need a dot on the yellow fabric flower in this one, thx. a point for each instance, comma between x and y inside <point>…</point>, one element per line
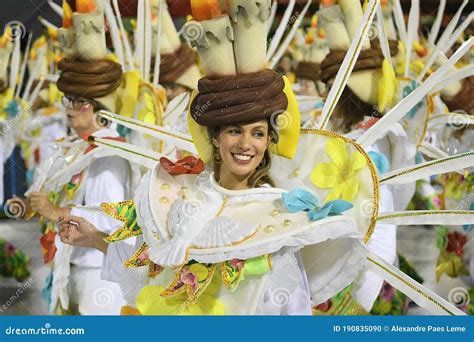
<point>340,175</point>
<point>150,302</point>
<point>387,85</point>
<point>199,270</point>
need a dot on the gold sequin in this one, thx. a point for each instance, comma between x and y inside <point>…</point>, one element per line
<point>165,186</point>
<point>183,192</point>
<point>405,125</point>
<point>269,229</point>
<point>286,223</point>
<point>164,200</point>
<point>275,212</point>
<point>295,173</point>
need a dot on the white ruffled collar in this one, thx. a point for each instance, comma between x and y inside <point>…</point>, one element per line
<point>211,181</point>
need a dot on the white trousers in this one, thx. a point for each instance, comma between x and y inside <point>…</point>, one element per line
<point>91,295</point>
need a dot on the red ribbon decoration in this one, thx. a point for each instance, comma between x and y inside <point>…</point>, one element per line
<point>187,165</point>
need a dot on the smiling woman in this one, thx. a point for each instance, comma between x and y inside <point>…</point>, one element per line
<point>241,156</point>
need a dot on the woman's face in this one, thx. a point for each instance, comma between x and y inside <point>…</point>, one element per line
<point>242,147</point>
<point>308,88</point>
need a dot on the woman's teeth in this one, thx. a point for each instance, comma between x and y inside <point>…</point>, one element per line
<point>242,157</point>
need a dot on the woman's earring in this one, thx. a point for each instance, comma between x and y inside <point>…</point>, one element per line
<point>217,156</point>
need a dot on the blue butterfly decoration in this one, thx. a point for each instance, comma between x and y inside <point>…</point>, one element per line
<point>380,161</point>
<point>301,200</point>
<point>468,227</point>
<point>12,109</point>
<point>407,90</point>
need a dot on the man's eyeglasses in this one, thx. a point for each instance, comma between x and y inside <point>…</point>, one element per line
<point>76,103</point>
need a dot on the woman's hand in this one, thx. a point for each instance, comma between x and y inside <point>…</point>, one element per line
<point>77,231</point>
<point>40,204</point>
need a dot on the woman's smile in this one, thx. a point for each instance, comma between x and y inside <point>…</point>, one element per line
<point>242,159</point>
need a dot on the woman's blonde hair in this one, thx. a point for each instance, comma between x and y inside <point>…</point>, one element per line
<point>261,176</point>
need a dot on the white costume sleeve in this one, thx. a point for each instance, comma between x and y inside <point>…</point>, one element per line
<point>106,181</point>
<point>131,280</point>
<point>286,289</point>
<point>300,301</point>
<point>117,253</point>
<point>382,243</point>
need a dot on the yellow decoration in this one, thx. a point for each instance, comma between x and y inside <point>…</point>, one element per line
<point>54,95</point>
<point>200,137</point>
<point>340,175</point>
<point>7,33</point>
<point>451,264</point>
<point>199,270</point>
<point>129,311</point>
<point>67,15</point>
<point>128,93</point>
<point>146,114</point>
<point>41,41</point>
<point>150,302</point>
<point>288,135</point>
<point>5,99</point>
<point>420,49</point>
<point>400,59</point>
<point>112,57</point>
<point>387,85</point>
<point>417,66</point>
<point>314,21</point>
<point>52,32</point>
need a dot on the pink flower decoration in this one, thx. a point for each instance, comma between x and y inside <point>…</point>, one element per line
<point>237,263</point>
<point>143,256</point>
<point>9,249</point>
<point>387,293</point>
<point>456,242</point>
<point>188,278</point>
<point>76,178</point>
<point>324,307</point>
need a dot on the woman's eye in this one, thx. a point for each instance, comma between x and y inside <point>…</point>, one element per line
<point>259,134</point>
<point>234,131</point>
